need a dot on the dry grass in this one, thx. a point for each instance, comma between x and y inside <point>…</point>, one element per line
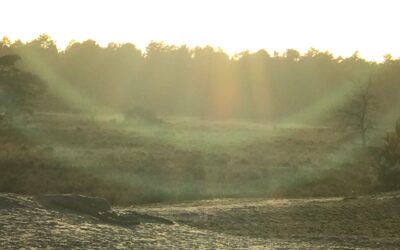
<point>128,162</point>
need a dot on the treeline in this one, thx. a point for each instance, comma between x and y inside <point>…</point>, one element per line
<point>202,81</point>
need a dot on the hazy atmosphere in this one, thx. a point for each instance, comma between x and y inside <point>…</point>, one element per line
<point>199,124</point>
<point>341,27</point>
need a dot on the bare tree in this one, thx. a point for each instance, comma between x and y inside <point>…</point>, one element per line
<point>356,114</point>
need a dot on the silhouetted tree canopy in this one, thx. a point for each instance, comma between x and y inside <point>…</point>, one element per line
<point>18,89</point>
<point>204,81</point>
<point>9,60</point>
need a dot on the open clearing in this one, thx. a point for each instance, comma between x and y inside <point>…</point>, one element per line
<point>199,174</point>
<point>130,162</point>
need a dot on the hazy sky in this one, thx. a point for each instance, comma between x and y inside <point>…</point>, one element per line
<point>341,26</point>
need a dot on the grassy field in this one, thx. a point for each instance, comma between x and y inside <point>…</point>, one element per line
<point>179,159</point>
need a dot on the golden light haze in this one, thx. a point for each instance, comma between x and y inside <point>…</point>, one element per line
<point>339,26</point>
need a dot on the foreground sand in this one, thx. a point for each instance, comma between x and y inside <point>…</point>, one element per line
<point>366,222</point>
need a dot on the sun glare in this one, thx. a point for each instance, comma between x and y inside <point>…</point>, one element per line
<point>228,124</point>
<point>341,27</point>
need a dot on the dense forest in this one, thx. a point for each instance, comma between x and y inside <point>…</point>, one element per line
<point>203,81</point>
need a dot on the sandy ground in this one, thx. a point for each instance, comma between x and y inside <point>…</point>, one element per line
<point>369,222</point>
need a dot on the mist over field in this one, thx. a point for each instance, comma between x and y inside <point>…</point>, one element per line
<point>188,145</point>
<point>197,122</point>
<point>202,82</point>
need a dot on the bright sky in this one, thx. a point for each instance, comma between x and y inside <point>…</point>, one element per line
<point>341,26</point>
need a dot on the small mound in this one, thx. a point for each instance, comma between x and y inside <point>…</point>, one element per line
<point>77,203</point>
<point>96,207</point>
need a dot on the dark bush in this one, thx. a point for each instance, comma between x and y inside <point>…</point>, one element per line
<point>389,166</point>
<point>142,114</point>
